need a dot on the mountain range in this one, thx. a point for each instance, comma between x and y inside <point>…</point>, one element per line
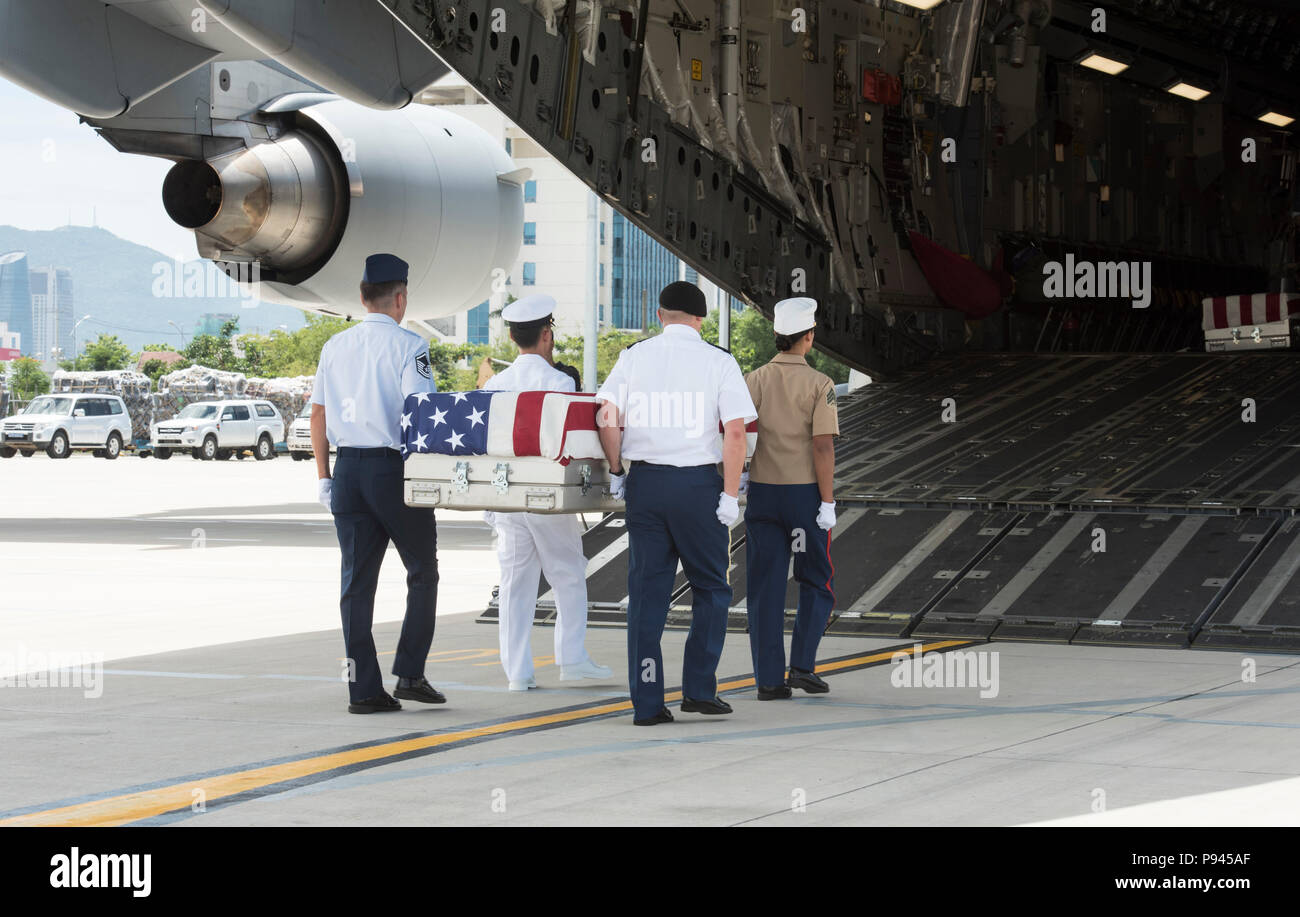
<point>128,289</point>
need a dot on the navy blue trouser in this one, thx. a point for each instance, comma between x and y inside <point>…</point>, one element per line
<point>369,512</point>
<point>671,517</point>
<point>774,516</point>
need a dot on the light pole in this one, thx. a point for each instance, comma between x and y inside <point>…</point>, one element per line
<point>179,330</point>
<point>76,346</point>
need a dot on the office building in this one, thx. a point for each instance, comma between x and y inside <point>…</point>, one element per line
<point>16,298</point>
<point>52,312</point>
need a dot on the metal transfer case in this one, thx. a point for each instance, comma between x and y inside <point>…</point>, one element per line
<point>1265,336</point>
<point>1251,321</point>
<point>506,485</point>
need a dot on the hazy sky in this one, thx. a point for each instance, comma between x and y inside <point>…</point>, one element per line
<point>55,170</point>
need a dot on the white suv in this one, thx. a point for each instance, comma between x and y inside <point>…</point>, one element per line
<point>299,439</point>
<point>219,429</point>
<point>300,435</point>
<point>61,423</point>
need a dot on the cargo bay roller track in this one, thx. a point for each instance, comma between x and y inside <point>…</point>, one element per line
<point>1109,498</point>
<point>988,525</point>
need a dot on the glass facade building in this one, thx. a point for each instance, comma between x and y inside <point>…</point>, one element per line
<point>16,299</point>
<point>52,318</point>
<point>477,324</point>
<point>639,268</point>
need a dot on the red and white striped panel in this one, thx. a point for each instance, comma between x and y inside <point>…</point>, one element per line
<point>1247,309</point>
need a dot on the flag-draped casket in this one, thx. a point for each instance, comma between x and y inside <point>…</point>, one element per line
<point>1250,321</point>
<point>507,451</point>
<point>554,425</point>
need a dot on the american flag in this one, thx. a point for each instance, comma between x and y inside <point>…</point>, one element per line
<point>556,425</point>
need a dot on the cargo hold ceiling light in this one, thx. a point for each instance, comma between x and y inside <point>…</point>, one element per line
<point>1187,91</point>
<point>921,4</point>
<point>1094,61</point>
<point>1276,119</point>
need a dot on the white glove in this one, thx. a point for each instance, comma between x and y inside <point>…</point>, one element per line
<point>826,517</point>
<point>617,485</point>
<point>744,483</point>
<point>324,488</point>
<point>728,509</point>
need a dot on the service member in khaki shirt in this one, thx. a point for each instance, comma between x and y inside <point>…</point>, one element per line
<point>791,504</point>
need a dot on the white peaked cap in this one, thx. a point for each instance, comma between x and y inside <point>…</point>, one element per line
<point>529,309</point>
<point>794,316</point>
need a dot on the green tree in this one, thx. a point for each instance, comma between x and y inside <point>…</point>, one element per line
<point>753,343</point>
<point>28,379</point>
<point>104,353</point>
<point>455,366</point>
<point>155,369</point>
<point>215,350</point>
<point>609,345</point>
<point>295,353</point>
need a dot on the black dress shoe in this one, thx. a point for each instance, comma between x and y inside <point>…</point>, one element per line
<point>663,716</point>
<point>715,707</point>
<point>779,692</point>
<point>808,681</point>
<point>418,689</point>
<point>380,703</point>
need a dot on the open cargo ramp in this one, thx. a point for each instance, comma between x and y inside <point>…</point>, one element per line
<point>1145,499</point>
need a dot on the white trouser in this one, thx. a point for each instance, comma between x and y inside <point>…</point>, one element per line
<point>528,545</point>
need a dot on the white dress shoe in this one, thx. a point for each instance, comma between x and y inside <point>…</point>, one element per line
<point>588,669</point>
<point>523,685</point>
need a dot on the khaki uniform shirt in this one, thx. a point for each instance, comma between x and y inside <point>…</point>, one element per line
<point>795,403</point>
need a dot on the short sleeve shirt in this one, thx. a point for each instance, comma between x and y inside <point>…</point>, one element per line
<point>363,378</point>
<point>795,403</point>
<point>674,391</point>
<point>530,373</point>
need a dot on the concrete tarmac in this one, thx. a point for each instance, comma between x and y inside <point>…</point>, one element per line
<point>219,700</point>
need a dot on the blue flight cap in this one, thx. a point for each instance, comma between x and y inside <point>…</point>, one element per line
<point>383,268</point>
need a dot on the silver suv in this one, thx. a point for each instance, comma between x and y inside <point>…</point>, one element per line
<point>61,424</point>
<point>219,429</point>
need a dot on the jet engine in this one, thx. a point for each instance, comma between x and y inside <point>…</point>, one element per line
<point>298,213</point>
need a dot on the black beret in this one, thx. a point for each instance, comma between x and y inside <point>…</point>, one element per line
<point>685,297</point>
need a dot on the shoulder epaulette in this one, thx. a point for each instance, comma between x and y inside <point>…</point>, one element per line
<point>719,346</point>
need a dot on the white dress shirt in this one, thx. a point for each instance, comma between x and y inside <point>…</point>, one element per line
<point>672,391</point>
<point>530,373</point>
<point>363,378</point>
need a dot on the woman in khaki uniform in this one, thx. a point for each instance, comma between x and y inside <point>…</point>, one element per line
<point>791,505</point>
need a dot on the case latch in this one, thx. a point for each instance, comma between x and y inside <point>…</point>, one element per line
<point>502,482</point>
<point>460,478</point>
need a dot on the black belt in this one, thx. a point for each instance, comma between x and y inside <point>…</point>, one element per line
<point>377,452</point>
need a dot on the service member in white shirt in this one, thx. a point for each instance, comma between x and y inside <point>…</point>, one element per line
<point>530,544</point>
<point>671,393</point>
<point>362,380</point>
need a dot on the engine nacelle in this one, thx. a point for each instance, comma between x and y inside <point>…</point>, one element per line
<point>343,182</point>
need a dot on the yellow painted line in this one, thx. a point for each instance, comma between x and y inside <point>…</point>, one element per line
<point>131,807</point>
